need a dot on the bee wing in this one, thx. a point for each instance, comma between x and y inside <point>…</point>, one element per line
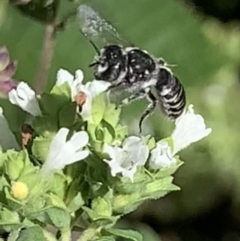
<point>120,93</point>
<point>96,28</point>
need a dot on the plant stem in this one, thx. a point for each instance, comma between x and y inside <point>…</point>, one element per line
<point>49,236</point>
<point>65,234</point>
<point>46,58</point>
<point>87,235</point>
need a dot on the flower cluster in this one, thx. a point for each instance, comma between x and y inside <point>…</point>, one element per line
<point>78,151</point>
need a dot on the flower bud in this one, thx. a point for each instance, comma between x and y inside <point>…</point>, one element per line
<point>19,190</point>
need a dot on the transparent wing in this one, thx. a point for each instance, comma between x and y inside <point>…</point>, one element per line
<point>119,94</point>
<point>97,29</point>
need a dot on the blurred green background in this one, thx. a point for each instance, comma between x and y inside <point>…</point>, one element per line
<point>203,39</point>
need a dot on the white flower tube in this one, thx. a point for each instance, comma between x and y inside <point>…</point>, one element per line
<point>161,156</point>
<point>125,160</point>
<point>7,139</point>
<point>190,128</point>
<point>90,89</point>
<point>63,152</point>
<point>25,98</point>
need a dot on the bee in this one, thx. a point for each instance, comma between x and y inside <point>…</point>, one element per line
<point>132,68</point>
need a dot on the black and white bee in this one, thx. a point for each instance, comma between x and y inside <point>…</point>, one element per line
<point>134,69</point>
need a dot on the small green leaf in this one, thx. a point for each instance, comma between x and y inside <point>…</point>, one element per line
<point>127,234</point>
<point>102,220</point>
<point>55,201</point>
<point>14,164</point>
<point>159,188</point>
<point>98,108</point>
<point>8,217</point>
<point>106,238</point>
<point>32,233</point>
<point>59,184</point>
<point>40,147</point>
<point>123,203</point>
<point>168,171</point>
<point>13,235</point>
<point>75,203</point>
<point>63,91</point>
<point>54,216</point>
<point>111,114</point>
<point>121,132</point>
<point>43,125</point>
<point>67,115</point>
<point>102,206</point>
<point>151,143</point>
<point>52,103</point>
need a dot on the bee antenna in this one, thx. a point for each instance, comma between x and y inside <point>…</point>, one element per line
<point>94,46</point>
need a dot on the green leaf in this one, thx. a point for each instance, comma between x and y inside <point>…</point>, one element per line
<point>32,233</point>
<point>98,108</point>
<point>102,206</point>
<point>67,115</point>
<point>111,114</point>
<point>124,203</point>
<point>159,188</point>
<point>168,171</point>
<point>76,203</point>
<point>43,125</point>
<point>14,164</point>
<point>55,201</point>
<point>9,218</point>
<point>151,143</point>
<point>13,235</point>
<point>59,185</point>
<point>106,238</point>
<point>121,132</point>
<point>40,147</point>
<point>54,216</point>
<point>100,219</point>
<point>127,234</point>
<point>148,233</point>
<point>63,91</point>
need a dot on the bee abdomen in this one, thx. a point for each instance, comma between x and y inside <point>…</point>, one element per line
<point>172,95</point>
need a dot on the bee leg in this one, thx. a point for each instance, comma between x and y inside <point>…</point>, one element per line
<point>149,110</point>
<point>137,96</point>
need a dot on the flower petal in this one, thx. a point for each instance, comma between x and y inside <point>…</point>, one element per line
<point>63,152</point>
<point>96,87</point>
<point>190,128</point>
<point>64,76</point>
<point>130,173</point>
<point>78,156</point>
<point>161,156</point>
<point>79,76</point>
<point>79,140</point>
<point>25,98</point>
<point>137,149</point>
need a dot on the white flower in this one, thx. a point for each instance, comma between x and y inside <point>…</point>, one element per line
<point>125,160</point>
<point>63,152</point>
<point>7,139</point>
<point>190,128</point>
<point>25,98</point>
<point>90,89</point>
<point>161,156</point>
